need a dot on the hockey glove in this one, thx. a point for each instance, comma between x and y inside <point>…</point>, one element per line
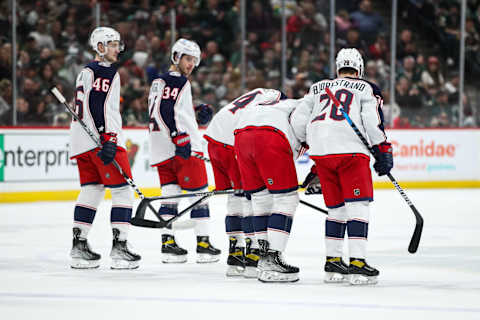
<point>312,183</point>
<point>109,147</point>
<point>383,158</point>
<point>183,148</point>
<point>204,113</point>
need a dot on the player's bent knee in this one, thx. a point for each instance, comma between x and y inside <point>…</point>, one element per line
<point>358,210</point>
<point>262,202</point>
<point>234,205</point>
<point>286,202</point>
<point>122,196</point>
<point>91,195</point>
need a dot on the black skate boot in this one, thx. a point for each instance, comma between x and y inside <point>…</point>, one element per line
<point>361,273</point>
<point>122,257</point>
<point>251,260</point>
<point>82,256</point>
<point>206,253</point>
<point>235,260</point>
<point>171,252</point>
<point>273,268</point>
<point>335,270</point>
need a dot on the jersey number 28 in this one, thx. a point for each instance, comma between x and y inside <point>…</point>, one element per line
<point>344,96</point>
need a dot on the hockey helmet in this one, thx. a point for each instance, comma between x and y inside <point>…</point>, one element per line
<point>184,46</point>
<point>104,35</point>
<point>350,58</point>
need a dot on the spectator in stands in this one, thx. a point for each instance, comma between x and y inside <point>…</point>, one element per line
<point>42,36</point>
<point>373,75</point>
<point>409,70</point>
<point>368,22</point>
<point>379,49</point>
<point>432,75</point>
<point>353,40</point>
<point>406,45</point>
<point>342,23</point>
<point>408,98</point>
<point>5,96</point>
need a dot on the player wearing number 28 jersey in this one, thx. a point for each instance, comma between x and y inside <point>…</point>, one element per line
<point>342,160</point>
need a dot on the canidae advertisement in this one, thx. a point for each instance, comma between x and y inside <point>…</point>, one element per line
<point>40,155</point>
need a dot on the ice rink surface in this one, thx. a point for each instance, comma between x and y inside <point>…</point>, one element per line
<point>440,281</point>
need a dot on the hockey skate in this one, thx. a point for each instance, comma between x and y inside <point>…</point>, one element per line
<point>206,253</point>
<point>361,273</point>
<point>122,257</point>
<point>273,268</point>
<point>251,260</point>
<point>336,270</point>
<point>235,260</point>
<point>171,252</point>
<point>82,256</point>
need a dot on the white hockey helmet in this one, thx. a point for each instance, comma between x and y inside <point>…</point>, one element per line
<point>104,35</point>
<point>184,46</point>
<point>350,58</point>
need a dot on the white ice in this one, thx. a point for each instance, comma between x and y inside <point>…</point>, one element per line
<point>440,281</point>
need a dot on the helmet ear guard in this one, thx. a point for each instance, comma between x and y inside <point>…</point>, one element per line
<point>184,46</point>
<point>350,58</point>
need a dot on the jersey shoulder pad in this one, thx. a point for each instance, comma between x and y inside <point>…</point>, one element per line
<point>100,70</point>
<point>376,90</point>
<point>174,79</point>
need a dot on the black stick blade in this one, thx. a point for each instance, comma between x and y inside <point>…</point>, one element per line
<point>417,233</point>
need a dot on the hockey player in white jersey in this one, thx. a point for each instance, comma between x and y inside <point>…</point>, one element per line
<point>97,103</point>
<point>266,146</point>
<point>174,135</point>
<point>243,248</point>
<point>342,161</point>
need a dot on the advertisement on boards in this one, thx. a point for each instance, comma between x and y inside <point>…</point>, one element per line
<point>42,155</point>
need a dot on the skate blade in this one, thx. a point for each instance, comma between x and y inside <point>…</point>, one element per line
<point>235,271</point>
<point>120,264</point>
<point>274,276</point>
<point>251,273</point>
<point>333,277</point>
<point>361,280</point>
<point>78,263</point>
<point>207,258</point>
<point>173,258</point>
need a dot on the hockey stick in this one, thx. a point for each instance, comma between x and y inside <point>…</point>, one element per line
<point>417,233</point>
<point>59,96</point>
<point>140,221</point>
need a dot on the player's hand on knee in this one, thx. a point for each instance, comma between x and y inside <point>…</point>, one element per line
<point>383,158</point>
<point>109,147</point>
<point>204,113</point>
<point>183,148</point>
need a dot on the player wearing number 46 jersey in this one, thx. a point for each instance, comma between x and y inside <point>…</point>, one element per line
<point>174,135</point>
<point>97,103</point>
<point>342,161</point>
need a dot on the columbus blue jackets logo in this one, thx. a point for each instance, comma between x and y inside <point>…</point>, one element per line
<point>356,192</point>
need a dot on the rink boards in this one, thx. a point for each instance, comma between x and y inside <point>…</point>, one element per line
<point>35,163</point>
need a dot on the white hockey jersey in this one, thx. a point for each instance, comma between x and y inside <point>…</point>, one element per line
<point>318,121</point>
<point>225,120</point>
<point>97,103</point>
<point>274,115</point>
<point>171,110</point>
